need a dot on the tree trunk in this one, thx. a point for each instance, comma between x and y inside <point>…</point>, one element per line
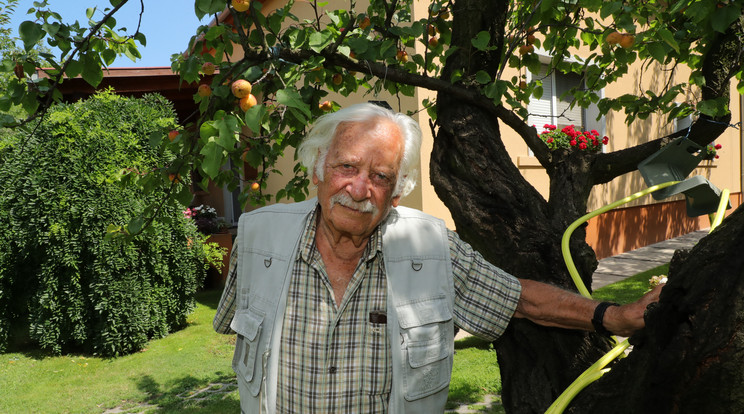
<point>508,221</point>
<point>690,357</point>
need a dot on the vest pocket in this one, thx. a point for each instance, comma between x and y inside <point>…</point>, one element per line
<point>247,324</point>
<point>428,347</point>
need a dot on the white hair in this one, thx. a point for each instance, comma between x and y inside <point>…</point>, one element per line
<point>314,148</point>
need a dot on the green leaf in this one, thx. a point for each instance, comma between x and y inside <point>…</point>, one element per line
<point>74,68</point>
<point>92,72</point>
<point>668,38</point>
<point>31,33</point>
<point>713,107</point>
<point>141,38</point>
<point>724,16</point>
<point>292,99</point>
<point>208,130</point>
<point>480,41</point>
<point>254,116</point>
<point>358,45</point>
<point>228,128</point>
<point>657,51</point>
<point>482,77</point>
<point>30,103</point>
<point>204,7</point>
<point>135,225</point>
<point>108,56</point>
<point>319,40</point>
<point>253,157</point>
<point>184,195</point>
<point>609,8</point>
<point>213,156</point>
<point>214,32</point>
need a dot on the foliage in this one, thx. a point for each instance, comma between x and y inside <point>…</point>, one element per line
<point>61,281</point>
<point>213,254</point>
<point>293,64</point>
<point>568,138</point>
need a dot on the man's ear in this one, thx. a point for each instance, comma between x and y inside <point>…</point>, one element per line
<point>315,178</point>
<point>395,201</point>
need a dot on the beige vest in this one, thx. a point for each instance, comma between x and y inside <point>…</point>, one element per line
<point>420,304</point>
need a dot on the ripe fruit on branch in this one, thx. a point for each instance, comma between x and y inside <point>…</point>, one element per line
<point>337,79</point>
<point>204,90</point>
<point>247,102</point>
<point>530,39</point>
<point>613,38</point>
<point>525,49</point>
<point>241,5</point>
<point>627,41</point>
<point>433,42</point>
<point>172,134</point>
<point>522,85</point>
<point>364,23</point>
<point>208,68</point>
<point>326,106</point>
<point>255,186</point>
<point>402,56</point>
<point>241,88</point>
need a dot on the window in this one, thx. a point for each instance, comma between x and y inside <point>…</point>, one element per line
<point>554,108</point>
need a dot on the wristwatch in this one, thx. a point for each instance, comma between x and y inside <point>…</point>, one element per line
<point>597,320</point>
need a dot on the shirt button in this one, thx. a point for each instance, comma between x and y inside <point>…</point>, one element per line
<point>332,370</point>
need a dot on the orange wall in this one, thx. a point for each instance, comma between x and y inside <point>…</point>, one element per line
<point>629,228</point>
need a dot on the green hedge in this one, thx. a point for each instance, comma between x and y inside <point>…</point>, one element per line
<point>62,284</point>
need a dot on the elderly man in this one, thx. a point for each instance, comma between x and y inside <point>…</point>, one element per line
<point>348,303</point>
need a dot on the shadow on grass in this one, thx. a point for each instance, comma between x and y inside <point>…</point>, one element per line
<point>472,342</point>
<point>209,297</point>
<point>463,394</point>
<point>188,394</point>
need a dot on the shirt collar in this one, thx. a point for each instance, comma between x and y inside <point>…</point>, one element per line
<point>307,243</point>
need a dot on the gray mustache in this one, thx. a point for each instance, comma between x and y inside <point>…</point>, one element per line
<point>345,200</point>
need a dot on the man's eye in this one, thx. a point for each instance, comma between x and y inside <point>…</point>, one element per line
<point>381,179</point>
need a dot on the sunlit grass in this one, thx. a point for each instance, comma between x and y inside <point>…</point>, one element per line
<point>630,289</point>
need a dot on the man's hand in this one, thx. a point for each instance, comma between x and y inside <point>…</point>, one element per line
<point>627,319</point>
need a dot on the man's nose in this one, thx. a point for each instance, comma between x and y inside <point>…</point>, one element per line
<point>359,187</point>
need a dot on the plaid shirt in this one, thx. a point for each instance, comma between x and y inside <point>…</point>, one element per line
<point>332,358</point>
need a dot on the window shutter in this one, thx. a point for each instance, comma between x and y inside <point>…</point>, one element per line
<point>566,115</point>
<point>541,110</point>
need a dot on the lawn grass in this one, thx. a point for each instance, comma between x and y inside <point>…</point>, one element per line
<point>166,376</point>
<point>630,289</point>
<point>475,374</point>
<point>185,372</point>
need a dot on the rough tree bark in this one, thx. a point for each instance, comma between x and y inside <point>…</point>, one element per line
<point>690,358</point>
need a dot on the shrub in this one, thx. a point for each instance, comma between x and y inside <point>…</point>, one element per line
<point>62,282</point>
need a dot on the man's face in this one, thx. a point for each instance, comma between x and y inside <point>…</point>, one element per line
<point>360,173</point>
